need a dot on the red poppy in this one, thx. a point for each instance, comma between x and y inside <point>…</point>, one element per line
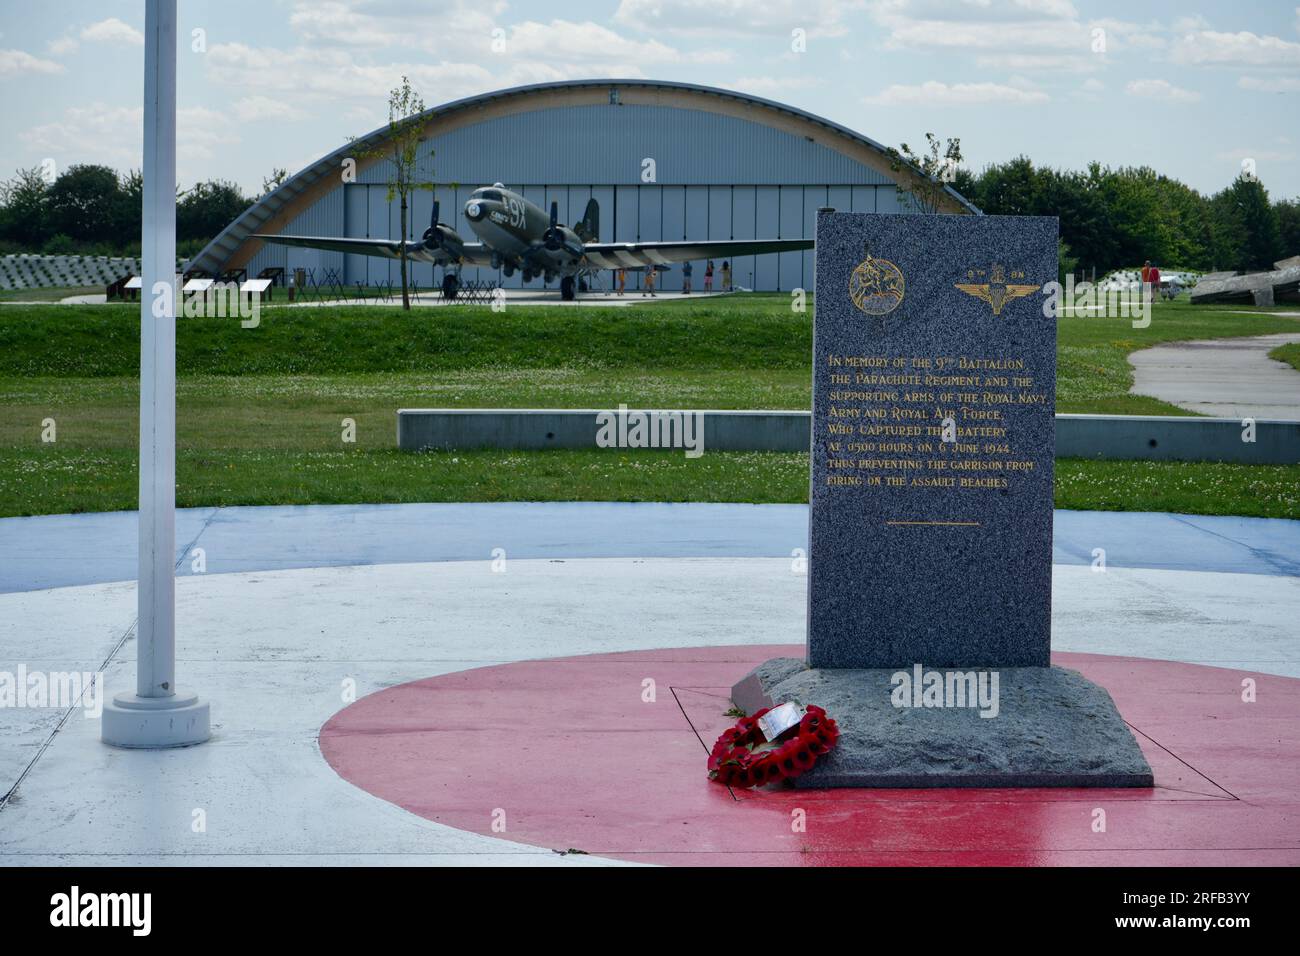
<point>733,760</point>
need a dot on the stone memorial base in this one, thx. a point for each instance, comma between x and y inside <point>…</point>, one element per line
<point>1050,728</point>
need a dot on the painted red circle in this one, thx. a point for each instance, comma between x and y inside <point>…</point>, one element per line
<point>572,753</point>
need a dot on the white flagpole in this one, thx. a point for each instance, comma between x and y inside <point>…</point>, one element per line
<point>156,715</point>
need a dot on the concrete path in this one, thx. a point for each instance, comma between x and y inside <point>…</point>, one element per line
<point>527,297</point>
<point>54,551</point>
<point>1224,378</point>
<point>278,653</point>
<point>512,297</point>
<point>320,606</point>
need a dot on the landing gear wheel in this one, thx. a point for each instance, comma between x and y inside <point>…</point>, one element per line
<point>566,288</point>
<point>450,286</point>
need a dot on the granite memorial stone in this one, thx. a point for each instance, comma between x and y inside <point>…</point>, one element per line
<point>934,390</point>
<point>930,534</point>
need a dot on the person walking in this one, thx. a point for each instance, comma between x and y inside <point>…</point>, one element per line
<point>1154,278</point>
<point>649,283</point>
<point>622,280</point>
<point>726,277</point>
<point>708,277</point>
<point>1146,279</point>
<point>686,278</point>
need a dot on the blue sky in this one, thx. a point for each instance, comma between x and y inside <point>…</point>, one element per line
<point>1191,88</point>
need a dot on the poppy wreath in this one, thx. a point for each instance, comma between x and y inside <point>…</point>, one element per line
<point>735,761</point>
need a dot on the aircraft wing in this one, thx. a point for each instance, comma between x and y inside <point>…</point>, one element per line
<point>473,253</point>
<point>634,255</point>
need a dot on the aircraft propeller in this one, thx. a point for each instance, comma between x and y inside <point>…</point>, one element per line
<point>432,237</point>
<point>553,239</point>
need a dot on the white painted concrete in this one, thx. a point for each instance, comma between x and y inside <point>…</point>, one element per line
<point>1228,378</point>
<point>292,638</point>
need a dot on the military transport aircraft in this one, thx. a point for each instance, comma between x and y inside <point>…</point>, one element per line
<point>515,234</point>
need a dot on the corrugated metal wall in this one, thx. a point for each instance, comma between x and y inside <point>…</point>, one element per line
<point>716,177</point>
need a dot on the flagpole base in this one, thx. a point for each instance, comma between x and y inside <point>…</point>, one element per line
<point>150,723</point>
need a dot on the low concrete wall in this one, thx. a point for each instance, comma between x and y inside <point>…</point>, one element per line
<point>1148,438</point>
<point>1159,438</point>
<point>537,428</point>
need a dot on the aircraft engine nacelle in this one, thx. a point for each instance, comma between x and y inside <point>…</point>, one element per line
<point>559,238</point>
<point>444,238</point>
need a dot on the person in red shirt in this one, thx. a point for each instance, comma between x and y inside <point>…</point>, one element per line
<point>1154,278</point>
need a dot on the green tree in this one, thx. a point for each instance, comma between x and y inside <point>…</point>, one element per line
<point>23,218</point>
<point>1084,219</point>
<point>82,202</point>
<point>1288,226</point>
<point>1009,189</point>
<point>1247,235</point>
<point>1066,262</point>
<point>1140,228</point>
<point>402,151</point>
<point>207,208</point>
<point>928,173</point>
<point>128,209</point>
<point>273,182</point>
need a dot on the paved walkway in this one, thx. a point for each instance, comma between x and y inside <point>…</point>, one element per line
<point>512,297</point>
<point>407,592</point>
<point>530,297</point>
<point>1224,378</point>
<point>60,550</point>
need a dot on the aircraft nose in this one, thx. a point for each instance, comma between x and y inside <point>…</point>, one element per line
<point>473,210</point>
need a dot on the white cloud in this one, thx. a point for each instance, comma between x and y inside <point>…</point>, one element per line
<point>1235,49</point>
<point>1161,90</point>
<point>1258,155</point>
<point>1050,8</point>
<point>112,30</point>
<point>467,29</point>
<point>251,109</point>
<point>1270,84</point>
<point>934,93</point>
<point>13,62</point>
<point>113,135</point>
<point>351,55</point>
<point>918,24</point>
<point>462,26</point>
<point>770,86</point>
<point>563,40</point>
<point>1018,28</point>
<point>1191,23</point>
<point>752,17</point>
<point>332,74</point>
<point>1091,89</point>
<point>61,46</point>
<point>1052,62</point>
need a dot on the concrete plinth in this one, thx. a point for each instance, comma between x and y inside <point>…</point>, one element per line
<point>1043,727</point>
<point>150,723</point>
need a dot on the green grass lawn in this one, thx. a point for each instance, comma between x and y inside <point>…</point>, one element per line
<point>49,293</point>
<point>259,411</point>
<point>1287,353</point>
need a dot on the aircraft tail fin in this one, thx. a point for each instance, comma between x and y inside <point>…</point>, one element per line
<point>588,229</point>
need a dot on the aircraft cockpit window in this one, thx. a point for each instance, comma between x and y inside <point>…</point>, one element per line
<point>490,194</point>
